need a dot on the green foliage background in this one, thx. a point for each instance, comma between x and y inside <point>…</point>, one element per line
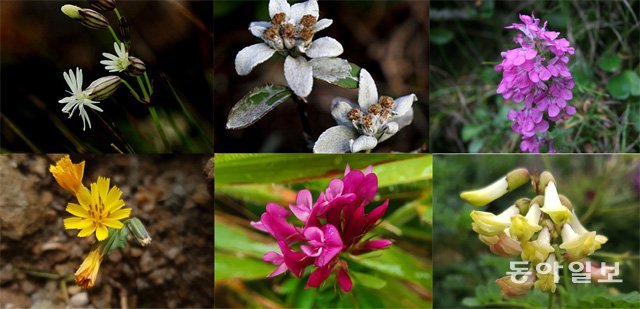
<point>604,191</point>
<point>466,39</point>
<point>396,277</point>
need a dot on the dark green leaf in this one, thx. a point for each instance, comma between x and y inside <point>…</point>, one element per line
<point>257,103</point>
<point>440,36</point>
<point>609,62</point>
<point>625,84</point>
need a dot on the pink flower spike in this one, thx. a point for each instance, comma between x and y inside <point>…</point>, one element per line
<point>259,226</point>
<point>295,261</point>
<point>377,244</point>
<point>275,222</point>
<point>318,276</point>
<point>304,204</point>
<point>276,259</point>
<point>323,244</point>
<point>344,280</point>
<point>375,215</point>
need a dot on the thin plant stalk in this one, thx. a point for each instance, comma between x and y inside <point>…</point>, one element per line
<point>147,99</point>
<point>113,33</point>
<point>133,92</point>
<point>156,122</point>
<point>304,118</point>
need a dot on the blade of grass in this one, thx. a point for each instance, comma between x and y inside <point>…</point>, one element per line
<point>156,122</point>
<point>188,114</point>
<point>13,127</point>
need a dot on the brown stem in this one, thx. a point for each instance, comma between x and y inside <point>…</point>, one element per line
<point>304,118</point>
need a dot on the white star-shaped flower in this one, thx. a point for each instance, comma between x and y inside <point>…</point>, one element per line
<point>79,98</point>
<point>118,62</point>
<point>362,126</point>
<point>290,33</point>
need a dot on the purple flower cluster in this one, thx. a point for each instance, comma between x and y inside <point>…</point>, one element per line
<point>536,73</point>
<point>334,224</point>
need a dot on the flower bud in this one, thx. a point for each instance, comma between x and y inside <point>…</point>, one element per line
<point>138,231</point>
<point>67,174</point>
<point>136,66</point>
<point>125,32</point>
<point>92,19</point>
<point>545,178</point>
<point>510,289</point>
<point>104,87</point>
<point>87,17</point>
<point>103,5</point>
<point>71,11</point>
<point>500,187</point>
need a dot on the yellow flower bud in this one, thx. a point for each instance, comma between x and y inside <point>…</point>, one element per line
<point>488,224</point>
<point>500,187</point>
<point>67,174</point>
<point>553,207</point>
<point>71,11</point>
<point>88,272</point>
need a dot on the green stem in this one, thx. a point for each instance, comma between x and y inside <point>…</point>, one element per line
<point>144,90</point>
<point>133,92</point>
<point>117,13</point>
<point>550,301</point>
<point>113,33</point>
<point>146,79</point>
<point>158,125</point>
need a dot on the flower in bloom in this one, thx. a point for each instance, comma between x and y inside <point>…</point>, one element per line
<point>522,228</point>
<point>536,74</point>
<point>88,272</point>
<point>119,62</point>
<point>511,289</point>
<point>79,98</point>
<point>553,207</point>
<point>96,210</point>
<point>500,187</point>
<point>489,224</point>
<point>538,250</point>
<point>336,223</point>
<point>67,174</point>
<point>362,126</point>
<point>546,281</point>
<point>290,33</point>
<point>580,245</point>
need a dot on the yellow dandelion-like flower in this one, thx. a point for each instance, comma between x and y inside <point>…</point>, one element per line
<point>67,174</point>
<point>88,272</point>
<point>97,209</point>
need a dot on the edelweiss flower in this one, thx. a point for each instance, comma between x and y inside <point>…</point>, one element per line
<point>79,98</point>
<point>118,62</point>
<point>97,209</point>
<point>290,33</point>
<point>88,272</point>
<point>373,120</point>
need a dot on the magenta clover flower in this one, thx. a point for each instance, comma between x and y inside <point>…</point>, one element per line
<point>335,223</point>
<point>536,73</point>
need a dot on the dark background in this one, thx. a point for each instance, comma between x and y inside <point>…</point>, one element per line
<point>388,38</point>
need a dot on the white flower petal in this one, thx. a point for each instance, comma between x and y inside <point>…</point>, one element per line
<point>330,69</point>
<point>362,143</point>
<point>322,24</point>
<point>79,79</point>
<point>299,75</point>
<point>309,7</point>
<point>110,56</point>
<point>93,106</point>
<point>404,119</point>
<point>258,27</point>
<point>340,108</point>
<point>390,129</point>
<point>68,80</point>
<point>403,104</point>
<point>279,6</point>
<point>367,91</point>
<point>335,140</point>
<point>325,47</point>
<point>250,56</point>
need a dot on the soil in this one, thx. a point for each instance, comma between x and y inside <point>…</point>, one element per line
<point>38,257</point>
